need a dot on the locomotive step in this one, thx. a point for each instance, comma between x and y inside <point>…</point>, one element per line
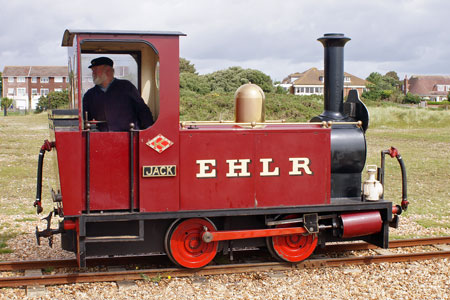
<point>114,238</point>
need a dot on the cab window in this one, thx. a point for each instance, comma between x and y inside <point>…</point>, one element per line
<point>125,67</point>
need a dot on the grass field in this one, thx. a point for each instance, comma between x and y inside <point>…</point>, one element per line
<point>422,137</point>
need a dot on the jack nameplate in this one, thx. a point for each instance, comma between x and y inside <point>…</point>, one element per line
<point>159,171</point>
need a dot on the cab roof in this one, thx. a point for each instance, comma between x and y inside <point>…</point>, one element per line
<point>69,34</point>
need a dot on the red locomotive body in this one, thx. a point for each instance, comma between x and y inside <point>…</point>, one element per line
<point>223,168</point>
<point>189,190</point>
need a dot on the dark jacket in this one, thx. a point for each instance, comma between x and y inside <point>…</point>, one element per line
<point>119,106</point>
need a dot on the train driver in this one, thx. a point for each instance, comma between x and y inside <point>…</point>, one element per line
<point>115,101</point>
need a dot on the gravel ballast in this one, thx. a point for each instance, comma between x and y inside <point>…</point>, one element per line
<point>413,280</point>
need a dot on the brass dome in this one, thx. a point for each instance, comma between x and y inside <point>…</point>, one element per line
<point>249,104</point>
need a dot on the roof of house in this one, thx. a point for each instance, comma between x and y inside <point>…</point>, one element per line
<point>312,77</point>
<point>427,84</point>
<point>35,71</point>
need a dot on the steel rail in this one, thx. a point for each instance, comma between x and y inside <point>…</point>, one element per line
<point>214,270</point>
<point>72,263</point>
<point>392,244</point>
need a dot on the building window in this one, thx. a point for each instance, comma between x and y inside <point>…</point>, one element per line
<point>443,88</point>
<point>21,91</point>
<point>21,79</point>
<point>44,92</point>
<point>67,79</point>
<point>34,79</point>
<point>321,78</point>
<point>10,79</point>
<point>58,79</point>
<point>316,90</point>
<point>44,80</point>
<point>34,92</point>
<point>58,90</point>
<point>347,79</point>
<point>11,92</point>
<point>302,90</point>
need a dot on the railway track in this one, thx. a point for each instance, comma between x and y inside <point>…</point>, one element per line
<point>121,275</point>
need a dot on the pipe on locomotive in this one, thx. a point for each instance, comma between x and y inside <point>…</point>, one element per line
<point>333,44</point>
<point>393,152</point>
<point>47,146</point>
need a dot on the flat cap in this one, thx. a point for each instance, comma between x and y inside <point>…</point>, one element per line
<point>101,61</point>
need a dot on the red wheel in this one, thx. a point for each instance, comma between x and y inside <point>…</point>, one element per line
<point>292,248</point>
<point>184,244</point>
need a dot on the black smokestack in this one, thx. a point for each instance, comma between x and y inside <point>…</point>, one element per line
<point>333,44</point>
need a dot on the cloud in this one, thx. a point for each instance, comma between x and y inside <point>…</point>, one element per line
<point>277,38</point>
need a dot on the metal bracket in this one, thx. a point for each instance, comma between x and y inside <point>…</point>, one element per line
<point>311,223</point>
<point>48,232</point>
<point>394,222</point>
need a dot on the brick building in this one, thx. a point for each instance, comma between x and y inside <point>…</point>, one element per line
<point>26,84</point>
<point>428,87</point>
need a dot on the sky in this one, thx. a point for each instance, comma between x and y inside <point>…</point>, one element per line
<point>276,37</point>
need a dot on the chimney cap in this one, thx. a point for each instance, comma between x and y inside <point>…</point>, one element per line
<point>334,39</point>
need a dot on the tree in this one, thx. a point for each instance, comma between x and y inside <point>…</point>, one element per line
<point>392,74</point>
<point>228,80</point>
<point>380,82</point>
<point>53,100</point>
<point>383,87</point>
<point>231,79</point>
<point>186,66</point>
<point>194,82</point>
<point>6,103</point>
<point>393,79</point>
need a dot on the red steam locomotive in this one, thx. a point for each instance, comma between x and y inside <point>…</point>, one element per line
<point>188,190</point>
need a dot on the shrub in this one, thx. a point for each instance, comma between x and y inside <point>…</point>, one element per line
<point>438,103</point>
<point>194,82</point>
<point>231,79</point>
<point>385,94</point>
<point>5,104</point>
<point>411,98</point>
<point>220,106</point>
<point>53,100</point>
<point>372,95</point>
<point>280,90</point>
<point>396,97</point>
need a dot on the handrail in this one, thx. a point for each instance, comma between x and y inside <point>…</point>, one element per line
<point>324,124</point>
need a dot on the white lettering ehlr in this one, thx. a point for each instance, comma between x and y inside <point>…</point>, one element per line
<point>240,167</point>
<point>206,170</point>
<point>299,163</point>
<point>238,164</point>
<point>265,168</point>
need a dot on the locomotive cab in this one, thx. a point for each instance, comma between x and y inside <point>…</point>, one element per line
<point>150,61</point>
